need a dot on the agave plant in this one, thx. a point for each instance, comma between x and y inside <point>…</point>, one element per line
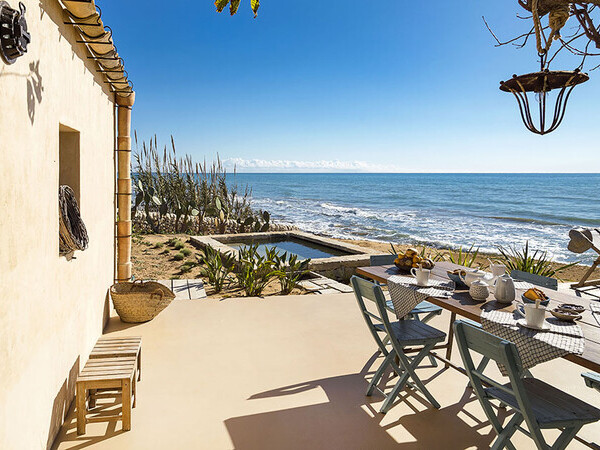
<point>290,271</point>
<point>462,257</point>
<point>537,262</point>
<point>217,267</point>
<point>255,271</point>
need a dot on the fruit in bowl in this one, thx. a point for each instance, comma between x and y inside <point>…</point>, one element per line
<point>409,259</point>
<point>534,294</point>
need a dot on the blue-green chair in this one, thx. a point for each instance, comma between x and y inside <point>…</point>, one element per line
<point>429,310</point>
<point>538,280</point>
<point>399,335</point>
<point>538,404</point>
<point>592,380</point>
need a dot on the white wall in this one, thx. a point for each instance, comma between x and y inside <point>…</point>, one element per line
<point>51,310</point>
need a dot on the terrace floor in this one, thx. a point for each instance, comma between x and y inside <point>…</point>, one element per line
<point>287,372</point>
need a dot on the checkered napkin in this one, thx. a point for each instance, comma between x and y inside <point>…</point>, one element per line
<point>534,347</point>
<point>405,293</point>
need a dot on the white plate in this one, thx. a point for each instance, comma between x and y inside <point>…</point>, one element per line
<point>523,323</point>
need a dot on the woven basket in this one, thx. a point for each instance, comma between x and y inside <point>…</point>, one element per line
<point>140,301</point>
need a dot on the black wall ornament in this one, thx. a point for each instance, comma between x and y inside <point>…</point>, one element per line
<point>14,37</point>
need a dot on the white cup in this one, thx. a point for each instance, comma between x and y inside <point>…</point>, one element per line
<point>422,276</point>
<point>534,316</point>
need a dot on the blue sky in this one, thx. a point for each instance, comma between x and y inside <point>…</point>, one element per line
<point>344,85</point>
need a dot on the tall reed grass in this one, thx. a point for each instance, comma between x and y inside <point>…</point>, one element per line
<point>178,195</point>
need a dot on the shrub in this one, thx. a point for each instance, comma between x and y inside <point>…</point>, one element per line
<point>171,242</point>
<point>290,271</point>
<point>538,262</point>
<point>254,271</point>
<point>217,267</point>
<point>158,245</point>
<point>186,252</point>
<point>179,257</point>
<point>187,266</point>
<point>166,251</point>
<point>178,245</point>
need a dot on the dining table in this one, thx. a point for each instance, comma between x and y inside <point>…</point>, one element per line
<point>461,304</point>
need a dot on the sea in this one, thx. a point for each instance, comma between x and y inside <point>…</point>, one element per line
<point>439,210</point>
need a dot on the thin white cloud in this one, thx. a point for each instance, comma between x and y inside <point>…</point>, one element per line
<point>287,165</point>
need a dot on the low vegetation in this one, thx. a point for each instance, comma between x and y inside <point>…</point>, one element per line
<point>466,258</point>
<point>290,271</point>
<point>254,270</point>
<point>537,262</point>
<point>250,271</point>
<point>217,267</point>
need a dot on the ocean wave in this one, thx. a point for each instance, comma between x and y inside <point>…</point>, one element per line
<point>435,227</point>
<point>525,220</point>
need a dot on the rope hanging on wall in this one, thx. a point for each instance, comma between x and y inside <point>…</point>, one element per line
<point>73,235</point>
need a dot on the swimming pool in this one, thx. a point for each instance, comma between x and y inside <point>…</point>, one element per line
<point>302,248</point>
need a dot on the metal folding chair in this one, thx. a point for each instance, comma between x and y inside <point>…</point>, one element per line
<point>538,404</point>
<point>538,280</point>
<point>400,335</point>
<point>427,309</point>
<point>592,380</point>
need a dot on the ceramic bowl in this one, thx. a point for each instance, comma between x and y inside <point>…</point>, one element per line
<point>571,308</point>
<point>561,314</point>
<point>526,300</point>
<point>457,281</point>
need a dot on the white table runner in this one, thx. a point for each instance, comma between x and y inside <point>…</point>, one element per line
<point>405,293</point>
<point>534,347</point>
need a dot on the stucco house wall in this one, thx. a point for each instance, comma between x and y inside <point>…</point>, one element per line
<point>52,309</point>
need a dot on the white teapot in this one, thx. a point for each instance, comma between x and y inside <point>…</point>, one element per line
<point>472,276</point>
<point>505,289</point>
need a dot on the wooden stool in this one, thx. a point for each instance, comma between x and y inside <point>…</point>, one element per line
<point>106,373</point>
<point>115,347</point>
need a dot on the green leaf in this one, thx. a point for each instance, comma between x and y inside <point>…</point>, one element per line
<point>221,4</point>
<point>249,221</point>
<point>195,212</point>
<point>218,203</point>
<point>140,185</point>
<point>233,6</point>
<point>222,215</point>
<point>156,200</point>
<point>255,5</point>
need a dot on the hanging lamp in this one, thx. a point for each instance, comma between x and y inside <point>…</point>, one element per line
<point>540,84</point>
